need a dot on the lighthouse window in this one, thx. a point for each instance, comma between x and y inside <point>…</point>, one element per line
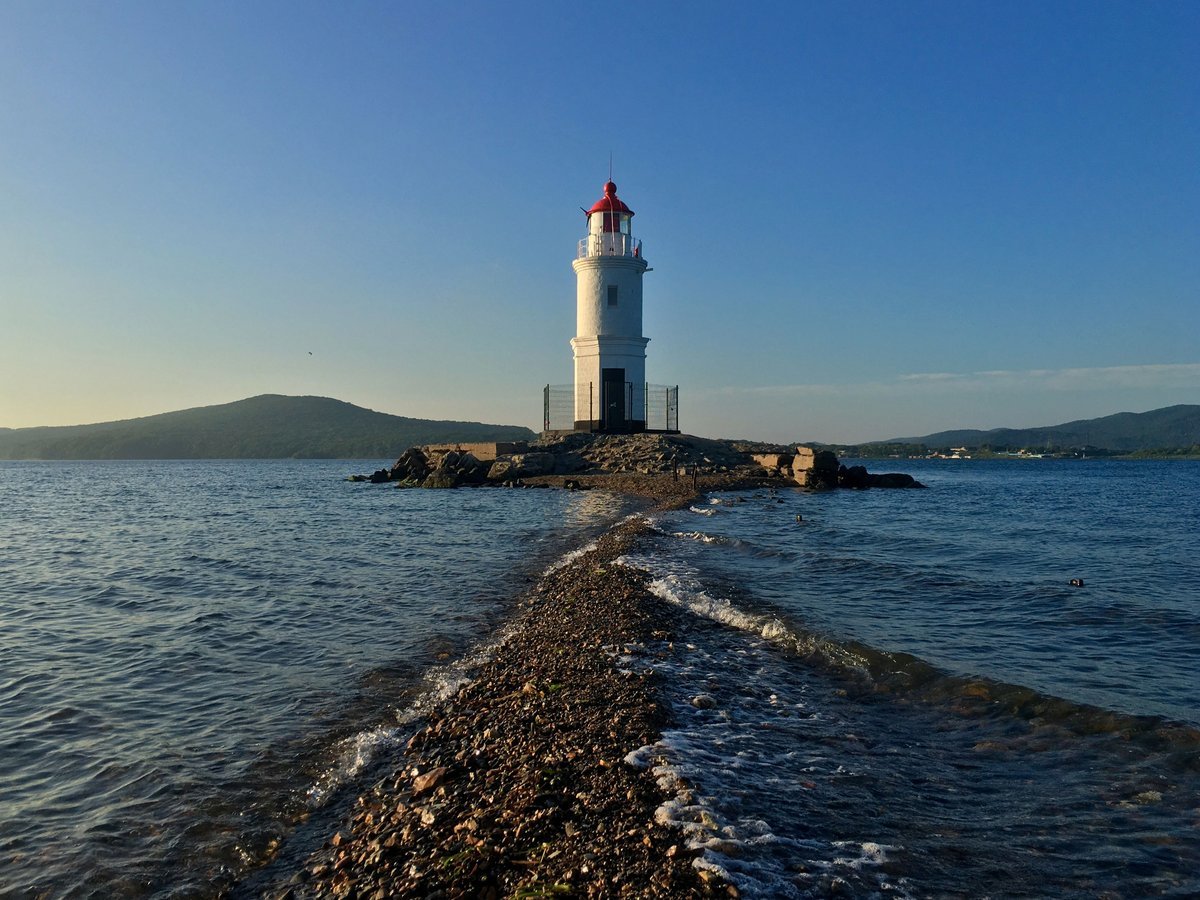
<point>612,295</point>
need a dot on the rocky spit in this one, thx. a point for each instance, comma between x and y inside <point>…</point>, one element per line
<point>517,785</point>
<point>632,457</point>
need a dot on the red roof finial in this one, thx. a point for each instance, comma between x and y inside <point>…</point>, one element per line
<point>610,202</point>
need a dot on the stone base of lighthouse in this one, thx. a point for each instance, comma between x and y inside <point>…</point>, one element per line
<point>610,383</point>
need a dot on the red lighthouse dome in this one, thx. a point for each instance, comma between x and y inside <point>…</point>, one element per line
<point>613,211</point>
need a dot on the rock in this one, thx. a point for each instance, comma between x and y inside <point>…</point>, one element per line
<point>441,478</point>
<point>819,481</point>
<point>773,462</point>
<point>815,469</point>
<point>412,464</point>
<point>803,460</point>
<point>471,469</point>
<point>854,477</point>
<point>527,465</point>
<point>825,461</point>
<point>500,471</point>
<point>380,476</point>
<point>893,480</point>
<point>703,701</point>
<point>569,463</point>
<point>427,782</point>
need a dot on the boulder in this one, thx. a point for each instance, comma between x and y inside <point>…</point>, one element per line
<point>893,480</point>
<point>815,480</point>
<point>412,464</point>
<point>853,477</point>
<point>773,462</point>
<point>441,478</point>
<point>569,463</point>
<point>472,470</point>
<point>380,476</point>
<point>527,465</point>
<point>501,470</point>
<point>803,460</point>
<point>825,461</point>
<point>816,470</point>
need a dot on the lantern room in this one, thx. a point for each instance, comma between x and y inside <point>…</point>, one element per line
<point>610,231</point>
<point>609,213</point>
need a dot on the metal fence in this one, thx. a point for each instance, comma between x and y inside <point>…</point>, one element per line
<point>617,408</point>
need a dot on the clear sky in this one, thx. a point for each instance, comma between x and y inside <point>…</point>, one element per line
<point>865,220</point>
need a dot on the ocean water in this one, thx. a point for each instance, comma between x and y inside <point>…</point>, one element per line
<point>879,693</point>
<point>899,693</point>
<point>195,656</point>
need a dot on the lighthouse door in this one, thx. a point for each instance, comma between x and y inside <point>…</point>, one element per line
<point>613,400</point>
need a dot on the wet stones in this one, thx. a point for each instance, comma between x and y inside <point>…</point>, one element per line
<point>516,786</point>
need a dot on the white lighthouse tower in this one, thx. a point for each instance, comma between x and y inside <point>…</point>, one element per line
<point>610,351</point>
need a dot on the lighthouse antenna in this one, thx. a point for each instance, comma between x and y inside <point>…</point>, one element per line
<point>610,165</point>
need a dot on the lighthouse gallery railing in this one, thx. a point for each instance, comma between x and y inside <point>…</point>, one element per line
<point>610,243</point>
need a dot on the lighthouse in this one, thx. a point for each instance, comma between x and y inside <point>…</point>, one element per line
<point>611,394</point>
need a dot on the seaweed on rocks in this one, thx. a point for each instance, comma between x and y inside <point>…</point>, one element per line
<point>517,785</point>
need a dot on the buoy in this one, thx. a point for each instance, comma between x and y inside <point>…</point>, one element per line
<point>799,518</point>
<point>1076,582</point>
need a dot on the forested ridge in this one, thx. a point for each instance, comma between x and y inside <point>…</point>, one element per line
<point>270,426</point>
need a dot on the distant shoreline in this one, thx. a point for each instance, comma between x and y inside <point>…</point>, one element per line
<point>1044,457</point>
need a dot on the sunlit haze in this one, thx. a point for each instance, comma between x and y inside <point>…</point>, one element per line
<point>865,220</point>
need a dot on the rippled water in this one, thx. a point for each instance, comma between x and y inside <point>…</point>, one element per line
<point>900,694</point>
<point>193,655</point>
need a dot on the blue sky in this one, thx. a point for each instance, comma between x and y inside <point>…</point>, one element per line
<point>865,219</point>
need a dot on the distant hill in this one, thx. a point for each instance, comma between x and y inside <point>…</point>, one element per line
<point>265,427</point>
<point>1170,427</point>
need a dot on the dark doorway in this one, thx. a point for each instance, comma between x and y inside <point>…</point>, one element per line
<point>613,400</point>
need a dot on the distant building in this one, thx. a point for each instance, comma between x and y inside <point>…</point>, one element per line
<point>610,393</point>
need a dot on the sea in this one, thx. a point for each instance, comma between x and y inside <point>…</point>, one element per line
<point>879,693</point>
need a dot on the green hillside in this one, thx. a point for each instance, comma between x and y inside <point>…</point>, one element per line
<point>1168,428</point>
<point>266,427</point>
